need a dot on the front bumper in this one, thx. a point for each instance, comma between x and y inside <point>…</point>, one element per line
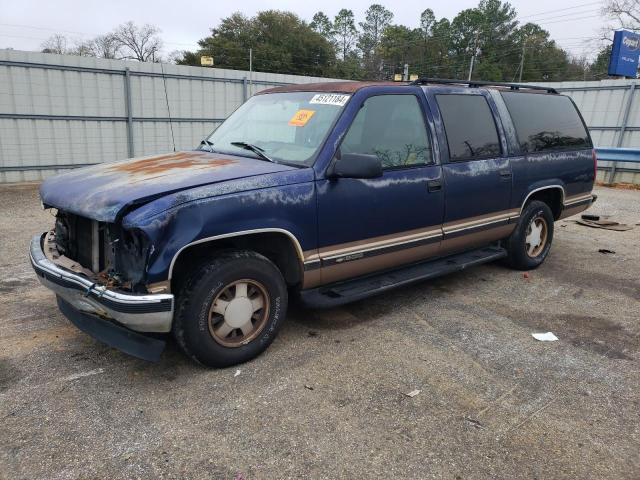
<point>138,312</point>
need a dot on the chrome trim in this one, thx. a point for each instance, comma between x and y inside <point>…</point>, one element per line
<point>542,188</point>
<point>291,236</point>
<point>578,199</point>
<point>380,247</point>
<point>479,223</point>
<point>88,297</point>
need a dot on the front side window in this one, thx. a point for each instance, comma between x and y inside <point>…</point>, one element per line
<point>287,127</point>
<point>470,127</point>
<point>546,122</point>
<point>393,128</point>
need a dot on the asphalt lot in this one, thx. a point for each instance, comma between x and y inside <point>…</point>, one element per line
<point>327,399</point>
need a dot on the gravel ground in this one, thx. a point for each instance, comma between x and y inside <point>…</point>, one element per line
<point>328,398</point>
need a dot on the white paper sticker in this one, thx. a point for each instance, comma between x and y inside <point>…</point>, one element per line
<point>336,99</point>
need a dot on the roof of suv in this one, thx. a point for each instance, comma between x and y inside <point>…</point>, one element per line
<point>351,87</point>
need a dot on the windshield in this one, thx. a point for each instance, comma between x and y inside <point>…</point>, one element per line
<point>285,127</point>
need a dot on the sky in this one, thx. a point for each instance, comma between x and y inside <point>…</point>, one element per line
<point>25,24</point>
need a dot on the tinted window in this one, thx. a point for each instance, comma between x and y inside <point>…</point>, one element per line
<point>391,127</point>
<point>546,122</point>
<point>471,130</point>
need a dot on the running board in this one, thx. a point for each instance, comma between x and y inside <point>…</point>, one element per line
<point>351,290</point>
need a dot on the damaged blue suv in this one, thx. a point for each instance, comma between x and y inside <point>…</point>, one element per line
<point>327,192</point>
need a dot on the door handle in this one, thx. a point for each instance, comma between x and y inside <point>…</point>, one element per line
<point>505,174</point>
<point>434,185</point>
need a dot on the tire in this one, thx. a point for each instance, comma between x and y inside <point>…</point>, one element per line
<point>523,254</point>
<point>210,324</point>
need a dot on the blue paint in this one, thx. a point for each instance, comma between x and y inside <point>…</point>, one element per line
<point>624,54</point>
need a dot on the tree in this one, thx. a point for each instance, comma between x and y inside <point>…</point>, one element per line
<point>281,42</point>
<point>138,43</point>
<point>55,44</point>
<point>623,14</point>
<point>322,25</point>
<point>345,30</point>
<point>377,19</point>
<point>102,46</point>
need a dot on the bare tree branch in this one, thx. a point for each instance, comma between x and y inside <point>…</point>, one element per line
<point>55,44</point>
<point>138,43</point>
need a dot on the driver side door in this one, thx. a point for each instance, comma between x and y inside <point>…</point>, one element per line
<point>367,225</point>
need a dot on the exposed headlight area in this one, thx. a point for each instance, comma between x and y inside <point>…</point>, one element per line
<point>113,256</point>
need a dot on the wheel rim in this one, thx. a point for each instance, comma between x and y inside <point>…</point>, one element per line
<point>536,238</point>
<point>239,313</point>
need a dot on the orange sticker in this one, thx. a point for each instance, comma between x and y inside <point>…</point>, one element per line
<point>301,117</point>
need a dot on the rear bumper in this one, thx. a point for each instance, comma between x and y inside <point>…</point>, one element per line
<point>138,312</point>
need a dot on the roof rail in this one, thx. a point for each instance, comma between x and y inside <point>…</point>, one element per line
<point>477,83</point>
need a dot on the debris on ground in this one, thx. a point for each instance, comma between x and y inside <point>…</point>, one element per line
<point>308,387</point>
<point>606,250</point>
<point>545,337</point>
<point>603,221</point>
<point>413,393</point>
<point>474,422</point>
<point>312,333</point>
<point>525,275</point>
<point>238,372</point>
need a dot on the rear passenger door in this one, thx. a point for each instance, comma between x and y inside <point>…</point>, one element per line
<point>476,169</point>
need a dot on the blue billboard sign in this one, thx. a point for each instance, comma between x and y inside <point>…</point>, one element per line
<point>624,54</point>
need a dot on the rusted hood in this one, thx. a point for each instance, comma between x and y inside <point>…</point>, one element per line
<point>104,191</point>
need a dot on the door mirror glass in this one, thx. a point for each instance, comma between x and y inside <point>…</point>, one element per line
<point>356,165</point>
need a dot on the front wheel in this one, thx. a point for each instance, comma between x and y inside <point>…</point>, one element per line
<point>530,242</point>
<point>230,310</point>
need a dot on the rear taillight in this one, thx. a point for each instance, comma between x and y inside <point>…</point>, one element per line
<point>595,164</point>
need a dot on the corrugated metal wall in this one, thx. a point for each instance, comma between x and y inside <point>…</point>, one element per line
<point>60,111</point>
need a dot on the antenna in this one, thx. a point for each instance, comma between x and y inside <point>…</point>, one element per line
<point>166,97</point>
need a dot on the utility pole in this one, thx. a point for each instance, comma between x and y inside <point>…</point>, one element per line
<point>473,57</point>
<point>250,71</point>
<point>405,74</point>
<point>524,42</point>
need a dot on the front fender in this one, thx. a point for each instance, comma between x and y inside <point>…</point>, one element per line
<point>289,208</point>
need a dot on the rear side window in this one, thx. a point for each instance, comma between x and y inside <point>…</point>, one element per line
<point>470,127</point>
<point>546,122</point>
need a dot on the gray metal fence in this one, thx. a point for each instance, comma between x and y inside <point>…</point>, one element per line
<point>60,111</point>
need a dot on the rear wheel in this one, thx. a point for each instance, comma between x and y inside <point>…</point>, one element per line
<point>529,244</point>
<point>230,310</point>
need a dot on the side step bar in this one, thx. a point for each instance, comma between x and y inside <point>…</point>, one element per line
<point>351,290</point>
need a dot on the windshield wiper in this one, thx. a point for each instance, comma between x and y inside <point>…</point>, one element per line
<point>255,149</point>
<point>207,143</point>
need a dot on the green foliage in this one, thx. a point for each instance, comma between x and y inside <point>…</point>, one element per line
<point>281,43</point>
<point>443,48</point>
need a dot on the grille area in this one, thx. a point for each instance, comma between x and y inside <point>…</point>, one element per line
<point>81,239</point>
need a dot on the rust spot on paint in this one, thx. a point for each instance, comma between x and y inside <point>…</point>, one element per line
<point>165,163</point>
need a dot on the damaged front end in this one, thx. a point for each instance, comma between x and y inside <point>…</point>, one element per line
<point>107,253</point>
<point>97,271</point>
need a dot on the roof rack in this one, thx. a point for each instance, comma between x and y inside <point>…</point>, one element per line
<point>475,84</point>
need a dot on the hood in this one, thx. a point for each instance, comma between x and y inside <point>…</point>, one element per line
<point>103,192</point>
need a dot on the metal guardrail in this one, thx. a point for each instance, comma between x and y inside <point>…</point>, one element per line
<point>631,155</point>
<point>617,155</point>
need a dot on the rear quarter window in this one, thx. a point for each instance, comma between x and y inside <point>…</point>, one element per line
<point>546,122</point>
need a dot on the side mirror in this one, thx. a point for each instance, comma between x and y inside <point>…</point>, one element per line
<point>355,165</point>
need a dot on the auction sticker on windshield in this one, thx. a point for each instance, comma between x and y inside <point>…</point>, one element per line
<point>330,99</point>
<point>301,117</point>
